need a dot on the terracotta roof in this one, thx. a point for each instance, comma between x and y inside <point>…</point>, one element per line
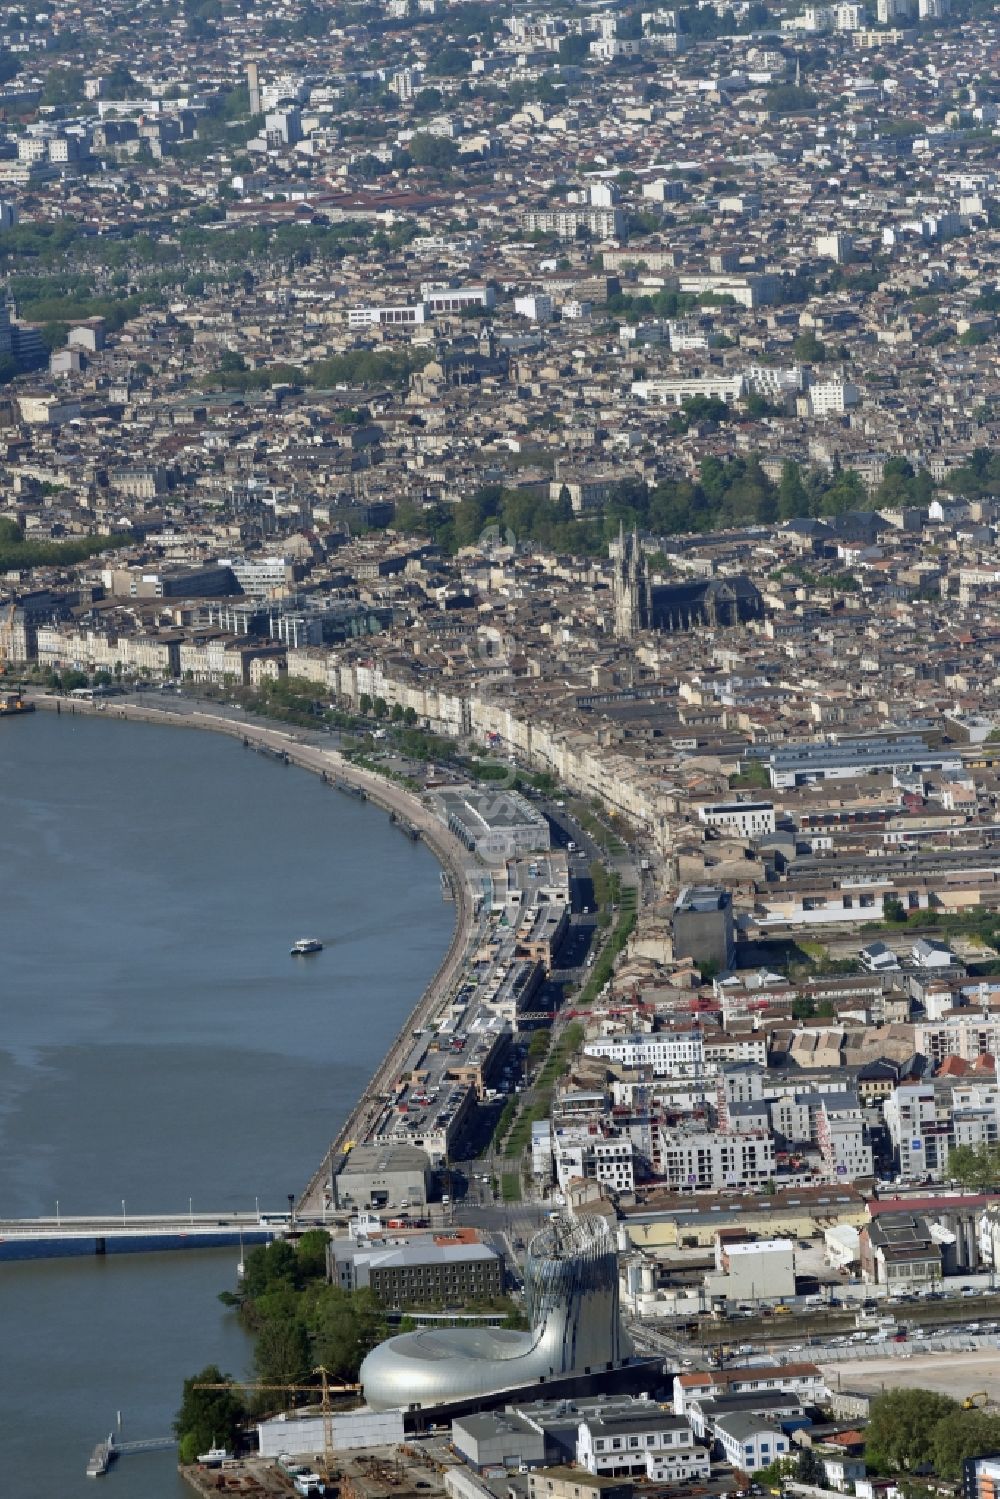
<point>738,1376</point>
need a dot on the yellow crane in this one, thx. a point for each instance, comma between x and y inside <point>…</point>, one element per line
<point>326,1389</point>
<point>976,1401</point>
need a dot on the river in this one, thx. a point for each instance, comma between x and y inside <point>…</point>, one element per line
<point>160,1048</point>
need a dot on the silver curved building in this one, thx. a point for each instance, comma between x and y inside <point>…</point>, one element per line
<point>571,1286</point>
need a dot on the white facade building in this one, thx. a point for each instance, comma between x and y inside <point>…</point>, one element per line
<point>667,1053</point>
<point>833,397</point>
<point>582,1154</point>
<point>700,1160</point>
<point>622,1446</point>
<point>919,1134</point>
<point>749,1443</point>
<point>746,819</point>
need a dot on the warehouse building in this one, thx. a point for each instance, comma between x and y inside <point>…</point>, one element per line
<point>372,1177</point>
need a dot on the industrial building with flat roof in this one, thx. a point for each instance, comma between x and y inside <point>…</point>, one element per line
<point>382,1175</point>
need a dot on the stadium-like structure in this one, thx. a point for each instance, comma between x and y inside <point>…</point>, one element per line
<point>571,1287</point>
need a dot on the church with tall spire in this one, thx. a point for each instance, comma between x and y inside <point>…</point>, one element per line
<point>694,603</point>
<point>630,586</point>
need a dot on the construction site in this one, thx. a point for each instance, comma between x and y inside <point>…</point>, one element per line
<point>397,1472</point>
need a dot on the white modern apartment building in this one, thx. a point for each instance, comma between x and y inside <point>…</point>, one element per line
<point>679,1053</point>
<point>746,819</point>
<point>833,397</point>
<point>602,223</point>
<point>843,1147</point>
<point>588,1155</point>
<point>700,1160</point>
<point>918,1130</point>
<point>968,1034</point>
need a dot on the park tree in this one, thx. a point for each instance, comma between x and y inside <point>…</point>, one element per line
<point>975,1166</point>
<point>900,1432</point>
<point>208,1418</point>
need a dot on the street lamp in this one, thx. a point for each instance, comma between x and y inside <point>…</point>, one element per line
<point>58,1224</point>
<point>190,1210</point>
<point>123,1212</point>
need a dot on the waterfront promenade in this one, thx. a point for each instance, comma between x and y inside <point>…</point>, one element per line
<point>386,795</point>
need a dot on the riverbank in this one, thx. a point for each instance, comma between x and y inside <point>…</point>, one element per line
<point>390,798</point>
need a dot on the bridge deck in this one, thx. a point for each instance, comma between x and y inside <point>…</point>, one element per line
<point>51,1238</point>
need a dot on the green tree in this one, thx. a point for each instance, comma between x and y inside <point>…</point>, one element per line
<point>432,151</point>
<point>975,1166</point>
<point>448,62</point>
<point>281,1351</point>
<point>574,49</point>
<point>364,704</point>
<point>120,84</point>
<point>900,1433</point>
<point>208,1418</point>
<point>793,502</point>
<point>345,1326</point>
<point>963,1434</point>
<point>63,87</point>
<point>809,1468</point>
<point>809,348</point>
<point>775,1474</point>
<point>789,98</point>
<point>893,909</point>
<point>310,1254</point>
<point>270,1267</point>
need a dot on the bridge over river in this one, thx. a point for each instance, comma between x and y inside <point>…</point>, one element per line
<point>54,1238</point>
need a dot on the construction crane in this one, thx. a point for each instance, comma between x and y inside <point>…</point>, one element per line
<point>326,1389</point>
<point>976,1401</point>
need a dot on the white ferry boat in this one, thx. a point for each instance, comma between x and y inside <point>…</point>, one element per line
<point>306,945</point>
